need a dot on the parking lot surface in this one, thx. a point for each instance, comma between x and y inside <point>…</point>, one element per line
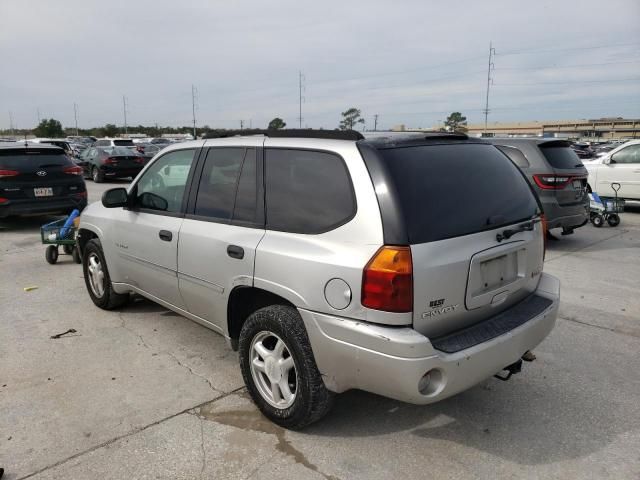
<point>145,393</point>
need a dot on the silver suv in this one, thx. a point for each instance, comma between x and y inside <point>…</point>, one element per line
<point>410,267</point>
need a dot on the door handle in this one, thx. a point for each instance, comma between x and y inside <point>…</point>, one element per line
<point>165,235</point>
<point>235,251</point>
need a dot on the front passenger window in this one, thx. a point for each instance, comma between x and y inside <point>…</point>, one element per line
<point>631,154</point>
<point>162,186</point>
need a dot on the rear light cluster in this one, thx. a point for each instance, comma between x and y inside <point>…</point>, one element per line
<point>8,173</point>
<point>110,161</point>
<point>139,160</point>
<point>387,280</point>
<point>73,170</point>
<point>552,182</point>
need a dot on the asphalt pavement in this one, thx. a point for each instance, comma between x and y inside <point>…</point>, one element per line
<point>144,393</point>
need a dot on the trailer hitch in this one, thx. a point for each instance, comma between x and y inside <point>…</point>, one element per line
<point>511,370</point>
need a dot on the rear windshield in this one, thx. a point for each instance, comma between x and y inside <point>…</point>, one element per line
<point>123,143</point>
<point>452,190</point>
<point>32,158</point>
<point>121,151</point>
<point>560,155</point>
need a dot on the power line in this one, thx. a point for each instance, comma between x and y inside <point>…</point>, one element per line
<point>554,67</point>
<point>492,52</point>
<point>566,49</point>
<point>573,82</point>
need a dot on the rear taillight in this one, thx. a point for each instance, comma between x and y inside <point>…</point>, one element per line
<point>75,170</point>
<point>551,182</point>
<point>110,161</point>
<point>387,280</point>
<point>543,221</point>
<point>140,148</point>
<point>139,160</point>
<point>3,200</point>
<point>8,173</point>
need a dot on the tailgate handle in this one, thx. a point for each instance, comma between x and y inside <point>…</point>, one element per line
<point>165,235</point>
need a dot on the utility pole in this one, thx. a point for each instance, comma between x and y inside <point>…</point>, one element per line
<point>124,110</point>
<point>11,122</point>
<point>194,92</point>
<point>38,113</point>
<point>490,67</point>
<point>301,88</point>
<point>75,116</point>
<point>241,124</point>
<point>375,122</point>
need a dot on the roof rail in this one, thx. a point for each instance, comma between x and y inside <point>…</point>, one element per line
<point>289,133</point>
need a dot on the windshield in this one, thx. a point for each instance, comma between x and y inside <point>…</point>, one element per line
<point>452,190</point>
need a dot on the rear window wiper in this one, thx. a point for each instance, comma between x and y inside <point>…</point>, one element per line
<point>510,232</point>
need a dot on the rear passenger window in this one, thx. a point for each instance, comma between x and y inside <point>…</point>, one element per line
<point>515,155</point>
<point>307,191</point>
<point>246,207</point>
<point>217,188</point>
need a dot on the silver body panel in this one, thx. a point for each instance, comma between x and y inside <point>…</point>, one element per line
<point>354,347</point>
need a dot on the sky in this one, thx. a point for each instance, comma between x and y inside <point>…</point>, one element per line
<point>409,62</point>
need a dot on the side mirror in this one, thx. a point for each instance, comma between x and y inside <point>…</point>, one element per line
<point>115,197</point>
<point>167,170</point>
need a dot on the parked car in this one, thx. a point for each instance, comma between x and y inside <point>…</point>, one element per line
<point>621,165</point>
<point>114,142</point>
<point>161,141</point>
<point>38,179</point>
<point>556,174</point>
<point>110,162</point>
<point>148,150</point>
<point>63,144</point>
<point>409,267</point>
<point>583,150</point>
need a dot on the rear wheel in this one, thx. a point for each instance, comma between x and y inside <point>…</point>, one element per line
<point>97,280</point>
<point>51,254</point>
<point>279,369</point>
<point>613,220</point>
<point>96,175</point>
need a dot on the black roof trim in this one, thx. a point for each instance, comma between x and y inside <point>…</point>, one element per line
<point>290,133</point>
<point>412,139</point>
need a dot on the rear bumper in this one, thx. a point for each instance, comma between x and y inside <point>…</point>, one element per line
<point>565,217</point>
<point>391,361</point>
<point>42,206</point>
<point>120,172</point>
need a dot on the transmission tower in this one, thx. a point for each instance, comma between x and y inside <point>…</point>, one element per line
<point>490,68</point>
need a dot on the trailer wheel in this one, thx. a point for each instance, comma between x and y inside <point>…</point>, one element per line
<point>51,254</point>
<point>613,220</point>
<point>597,221</point>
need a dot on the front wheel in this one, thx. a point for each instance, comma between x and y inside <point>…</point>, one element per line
<point>597,220</point>
<point>613,220</point>
<point>97,279</point>
<point>279,368</point>
<point>51,254</point>
<point>96,175</point>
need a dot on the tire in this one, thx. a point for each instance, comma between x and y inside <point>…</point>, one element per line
<point>51,254</point>
<point>597,221</point>
<point>75,254</point>
<point>68,249</point>
<point>97,175</point>
<point>613,220</point>
<point>102,294</point>
<point>310,399</point>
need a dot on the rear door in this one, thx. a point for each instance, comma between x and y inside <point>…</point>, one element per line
<point>222,229</point>
<point>39,174</point>
<point>459,201</point>
<point>565,164</point>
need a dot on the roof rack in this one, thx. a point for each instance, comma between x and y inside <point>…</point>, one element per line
<point>289,133</point>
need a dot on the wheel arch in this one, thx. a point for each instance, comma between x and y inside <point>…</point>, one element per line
<point>243,301</point>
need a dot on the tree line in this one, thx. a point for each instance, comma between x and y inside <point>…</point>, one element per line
<point>52,128</point>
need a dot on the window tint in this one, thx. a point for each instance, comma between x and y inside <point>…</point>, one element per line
<point>162,185</point>
<point>246,207</point>
<point>123,143</point>
<point>630,154</point>
<point>452,190</point>
<point>306,191</point>
<point>101,143</point>
<point>560,155</point>
<point>515,155</point>
<point>217,188</point>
